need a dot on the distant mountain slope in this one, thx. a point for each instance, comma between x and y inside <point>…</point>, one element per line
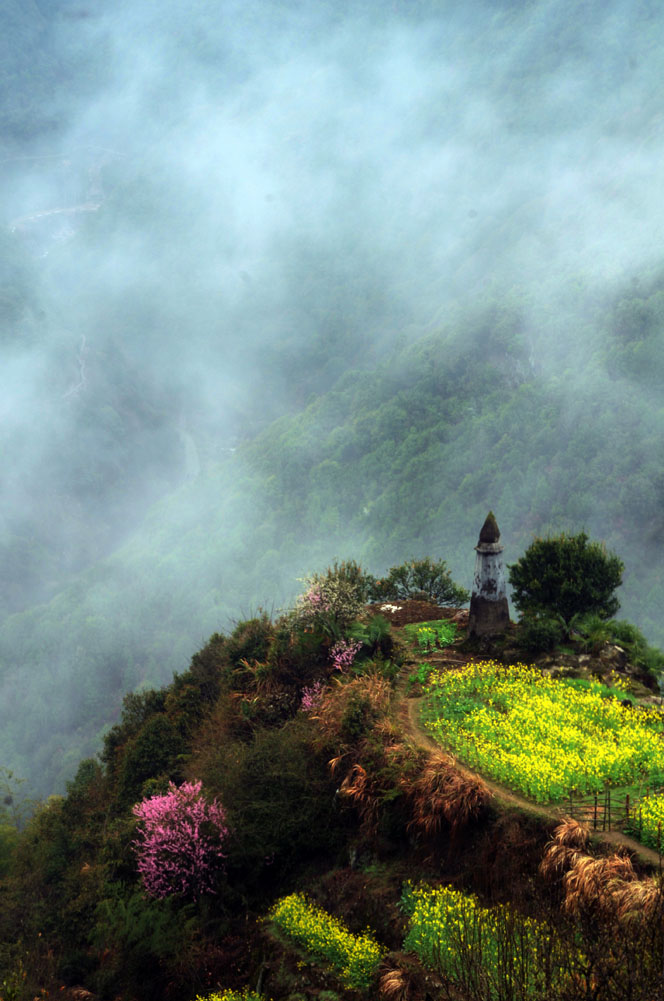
<point>402,460</point>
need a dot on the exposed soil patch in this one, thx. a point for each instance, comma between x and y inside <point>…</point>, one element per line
<point>403,613</point>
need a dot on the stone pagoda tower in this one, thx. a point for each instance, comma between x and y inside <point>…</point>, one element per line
<point>489,612</point>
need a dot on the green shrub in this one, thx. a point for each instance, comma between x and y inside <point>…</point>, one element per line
<point>427,579</point>
<point>374,635</point>
<point>137,707</point>
<point>432,635</point>
<point>147,943</point>
<point>566,575</point>
<point>591,631</point>
<point>280,802</point>
<point>357,720</point>
<point>298,654</point>
<point>538,633</point>
<point>250,640</point>
<point>420,676</point>
<point>640,652</point>
<point>154,751</point>
<point>8,840</point>
<point>208,665</point>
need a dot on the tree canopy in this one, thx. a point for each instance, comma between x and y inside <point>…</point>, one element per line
<point>566,575</point>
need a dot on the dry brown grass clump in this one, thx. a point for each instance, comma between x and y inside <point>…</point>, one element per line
<point>570,839</point>
<point>442,793</point>
<point>363,793</point>
<point>641,899</point>
<point>394,985</point>
<point>371,752</point>
<point>607,884</point>
<point>596,882</point>
<point>371,691</point>
<point>403,978</point>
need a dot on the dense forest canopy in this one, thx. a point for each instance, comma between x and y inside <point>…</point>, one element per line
<point>281,282</point>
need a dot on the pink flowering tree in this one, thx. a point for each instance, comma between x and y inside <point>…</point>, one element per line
<point>344,652</point>
<point>179,841</point>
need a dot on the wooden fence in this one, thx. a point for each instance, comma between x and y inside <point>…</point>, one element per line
<point>606,811</point>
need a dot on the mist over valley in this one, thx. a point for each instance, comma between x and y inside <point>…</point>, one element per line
<point>284,282</point>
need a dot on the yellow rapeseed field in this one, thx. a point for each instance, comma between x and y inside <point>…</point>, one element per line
<point>354,957</point>
<point>509,954</point>
<point>539,735</point>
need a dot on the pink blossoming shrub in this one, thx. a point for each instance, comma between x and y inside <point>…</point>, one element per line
<point>314,601</point>
<point>344,653</point>
<point>179,841</point>
<point>311,697</point>
<point>331,601</point>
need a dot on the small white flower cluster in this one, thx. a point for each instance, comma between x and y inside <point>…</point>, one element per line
<point>390,608</point>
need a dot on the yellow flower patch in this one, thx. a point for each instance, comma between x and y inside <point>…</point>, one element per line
<point>540,735</point>
<point>354,957</point>
<point>648,821</point>
<point>468,944</point>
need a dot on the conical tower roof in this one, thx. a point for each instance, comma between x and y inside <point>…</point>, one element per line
<point>489,531</point>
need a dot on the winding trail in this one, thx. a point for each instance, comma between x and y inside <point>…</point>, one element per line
<point>408,715</point>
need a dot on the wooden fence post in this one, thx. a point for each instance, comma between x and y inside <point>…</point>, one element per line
<point>595,814</point>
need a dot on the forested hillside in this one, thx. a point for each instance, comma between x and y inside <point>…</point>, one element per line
<point>285,820</point>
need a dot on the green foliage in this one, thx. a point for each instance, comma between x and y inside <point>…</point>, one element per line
<point>430,636</point>
<point>566,575</point>
<point>640,652</point>
<point>538,632</point>
<point>591,631</point>
<point>427,579</point>
<point>420,676</point>
<point>207,666</point>
<point>250,640</point>
<point>375,636</point>
<point>489,952</point>
<point>9,837</point>
<point>155,750</point>
<point>137,707</point>
<point>592,685</point>
<point>298,654</point>
<point>141,939</point>
<point>280,802</point>
<point>357,720</point>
